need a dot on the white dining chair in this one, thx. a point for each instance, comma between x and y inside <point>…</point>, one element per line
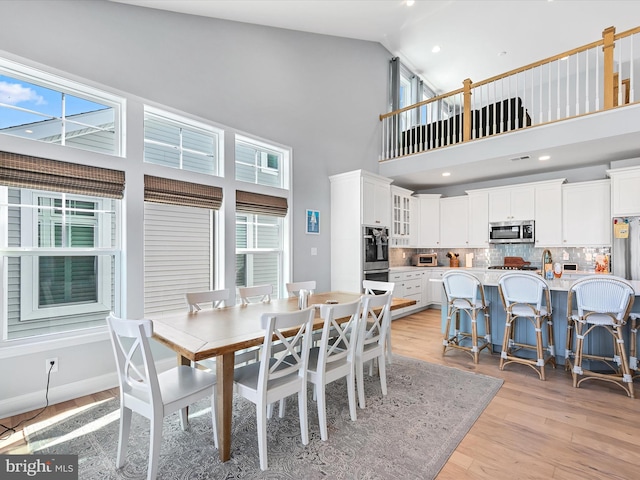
<point>153,395</point>
<point>294,287</point>
<point>272,379</point>
<point>375,287</point>
<point>370,342</point>
<point>334,358</point>
<point>255,294</point>
<point>217,298</point>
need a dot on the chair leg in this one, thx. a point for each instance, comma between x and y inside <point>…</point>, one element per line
<point>214,418</point>
<point>359,381</point>
<point>123,441</point>
<point>351,386</point>
<point>539,351</point>
<point>474,338</point>
<point>447,327</point>
<point>155,439</point>
<point>388,346</point>
<point>626,372</point>
<point>322,410</point>
<point>382,371</point>
<point>304,422</point>
<point>261,424</point>
<point>506,342</point>
<point>184,418</point>
<point>577,364</point>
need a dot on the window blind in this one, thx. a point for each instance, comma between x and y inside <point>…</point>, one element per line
<point>36,173</point>
<point>177,192</point>
<point>249,202</point>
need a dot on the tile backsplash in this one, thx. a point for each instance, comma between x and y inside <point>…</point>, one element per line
<point>486,257</point>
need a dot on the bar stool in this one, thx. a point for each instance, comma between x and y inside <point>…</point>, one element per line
<point>601,301</point>
<point>633,347</point>
<point>526,296</point>
<point>465,293</point>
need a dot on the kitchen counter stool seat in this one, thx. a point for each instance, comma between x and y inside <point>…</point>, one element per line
<point>465,293</point>
<point>526,297</point>
<point>601,302</point>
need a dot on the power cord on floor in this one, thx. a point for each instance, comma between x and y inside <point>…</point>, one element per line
<point>8,431</point>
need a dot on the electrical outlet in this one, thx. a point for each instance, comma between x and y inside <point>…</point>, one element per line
<point>48,362</point>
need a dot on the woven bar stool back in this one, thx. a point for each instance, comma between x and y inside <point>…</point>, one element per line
<point>527,301</point>
<point>601,302</point>
<point>465,294</point>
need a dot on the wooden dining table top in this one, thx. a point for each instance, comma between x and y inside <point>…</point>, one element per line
<point>208,333</point>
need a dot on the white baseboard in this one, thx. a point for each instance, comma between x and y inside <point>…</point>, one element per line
<point>36,400</point>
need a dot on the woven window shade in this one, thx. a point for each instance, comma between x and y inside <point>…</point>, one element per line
<point>248,202</point>
<point>176,192</point>
<point>23,171</point>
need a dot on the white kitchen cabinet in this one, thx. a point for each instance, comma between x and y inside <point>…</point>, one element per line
<point>586,213</point>
<point>512,203</point>
<point>408,284</point>
<point>548,214</point>
<point>625,191</point>
<point>402,221</point>
<point>429,220</point>
<point>375,201</point>
<point>454,219</point>
<point>434,291</point>
<point>357,198</point>
<point>478,233</point>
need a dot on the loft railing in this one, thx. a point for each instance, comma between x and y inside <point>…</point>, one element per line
<point>588,79</point>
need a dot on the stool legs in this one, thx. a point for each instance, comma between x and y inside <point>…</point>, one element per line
<point>455,340</point>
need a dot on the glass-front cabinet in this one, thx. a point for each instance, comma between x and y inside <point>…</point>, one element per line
<point>402,207</point>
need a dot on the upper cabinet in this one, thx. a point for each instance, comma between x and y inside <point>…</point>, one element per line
<point>625,193</point>
<point>429,234</point>
<point>403,223</point>
<point>478,230</point>
<point>548,214</point>
<point>376,207</point>
<point>511,203</point>
<point>454,220</point>
<point>586,213</point>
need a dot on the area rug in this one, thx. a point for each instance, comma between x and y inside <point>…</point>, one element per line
<point>408,434</point>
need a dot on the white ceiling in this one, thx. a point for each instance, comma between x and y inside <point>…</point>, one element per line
<point>509,33</point>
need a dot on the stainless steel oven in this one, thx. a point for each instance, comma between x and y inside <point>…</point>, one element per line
<point>375,251</point>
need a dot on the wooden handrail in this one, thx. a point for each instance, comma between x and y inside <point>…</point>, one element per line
<point>420,104</point>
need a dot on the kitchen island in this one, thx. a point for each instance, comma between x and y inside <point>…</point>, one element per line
<point>598,341</point>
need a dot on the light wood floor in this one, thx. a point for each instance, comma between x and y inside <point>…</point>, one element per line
<point>531,430</point>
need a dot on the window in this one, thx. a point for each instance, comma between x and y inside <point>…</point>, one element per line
<point>259,164</point>
<point>59,260</point>
<point>178,255</point>
<point>179,143</point>
<point>50,109</point>
<point>259,250</point>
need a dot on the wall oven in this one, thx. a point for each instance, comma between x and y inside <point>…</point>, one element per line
<point>375,250</point>
<point>512,232</point>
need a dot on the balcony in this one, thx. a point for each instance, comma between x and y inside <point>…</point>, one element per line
<point>581,104</point>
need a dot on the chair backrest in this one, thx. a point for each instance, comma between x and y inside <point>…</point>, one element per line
<point>258,293</point>
<point>295,348</point>
<point>605,294</point>
<point>295,287</point>
<point>374,320</point>
<point>339,332</point>
<point>374,287</point>
<point>524,287</point>
<point>463,286</point>
<point>215,297</point>
<point>130,341</point>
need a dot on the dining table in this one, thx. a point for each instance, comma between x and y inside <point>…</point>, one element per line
<point>223,331</point>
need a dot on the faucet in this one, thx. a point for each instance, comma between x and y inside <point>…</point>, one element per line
<point>547,271</point>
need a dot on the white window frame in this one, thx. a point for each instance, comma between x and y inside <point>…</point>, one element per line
<point>66,86</point>
<point>261,162</point>
<point>180,121</point>
<point>29,265</point>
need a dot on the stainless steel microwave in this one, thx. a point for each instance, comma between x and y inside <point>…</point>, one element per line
<point>512,232</point>
<point>425,260</point>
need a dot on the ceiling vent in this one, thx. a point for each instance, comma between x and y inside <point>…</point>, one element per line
<point>525,157</point>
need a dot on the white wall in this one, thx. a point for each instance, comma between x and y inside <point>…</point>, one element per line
<point>319,95</point>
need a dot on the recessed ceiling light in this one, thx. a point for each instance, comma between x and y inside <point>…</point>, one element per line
<point>544,157</point>
<point>410,3</point>
<point>446,174</point>
<point>28,131</point>
<point>436,49</point>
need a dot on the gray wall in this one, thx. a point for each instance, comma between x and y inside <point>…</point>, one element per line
<point>321,95</point>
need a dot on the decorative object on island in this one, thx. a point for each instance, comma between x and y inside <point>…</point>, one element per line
<point>454,261</point>
<point>547,265</point>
